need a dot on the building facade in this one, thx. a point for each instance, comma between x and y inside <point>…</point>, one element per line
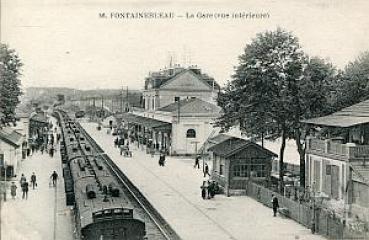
<point>179,109</point>
<point>177,83</point>
<point>10,151</point>
<point>337,160</point>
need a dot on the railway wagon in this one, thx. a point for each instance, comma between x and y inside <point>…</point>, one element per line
<point>102,215</point>
<point>102,210</point>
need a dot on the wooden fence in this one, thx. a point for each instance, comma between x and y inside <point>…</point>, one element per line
<point>327,223</point>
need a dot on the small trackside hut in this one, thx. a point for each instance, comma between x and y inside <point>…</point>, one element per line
<point>236,161</point>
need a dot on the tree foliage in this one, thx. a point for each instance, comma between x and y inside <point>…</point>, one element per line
<point>353,87</point>
<point>274,86</point>
<point>10,91</point>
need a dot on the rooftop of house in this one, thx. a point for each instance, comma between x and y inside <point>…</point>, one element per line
<point>219,138</point>
<point>233,145</point>
<point>10,136</point>
<point>157,79</point>
<point>191,105</point>
<point>23,112</point>
<point>39,117</point>
<point>347,117</point>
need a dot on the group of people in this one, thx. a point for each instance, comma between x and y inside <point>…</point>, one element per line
<point>25,185</point>
<point>197,164</point>
<point>209,189</point>
<point>123,145</point>
<point>45,143</point>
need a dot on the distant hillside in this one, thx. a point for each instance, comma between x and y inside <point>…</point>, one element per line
<point>49,94</point>
<point>40,92</point>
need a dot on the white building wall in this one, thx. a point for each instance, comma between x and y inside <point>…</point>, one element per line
<point>342,166</point>
<point>12,156</point>
<point>183,145</point>
<point>165,97</point>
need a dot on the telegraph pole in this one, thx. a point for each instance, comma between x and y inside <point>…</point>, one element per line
<point>112,103</point>
<point>178,111</point>
<point>94,105</point>
<point>102,107</point>
<point>127,99</point>
<point>121,101</point>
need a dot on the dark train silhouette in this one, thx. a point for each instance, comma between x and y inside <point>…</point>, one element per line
<point>102,209</point>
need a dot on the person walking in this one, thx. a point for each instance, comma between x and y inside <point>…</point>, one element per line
<point>33,180</point>
<point>116,142</point>
<point>51,151</point>
<point>204,189</point>
<point>203,192</point>
<point>58,137</point>
<point>206,170</point>
<point>13,190</point>
<point>25,190</point>
<point>122,149</point>
<point>22,180</point>
<point>162,159</point>
<point>275,205</point>
<point>197,162</point>
<point>42,149</point>
<point>54,177</point>
<point>211,189</point>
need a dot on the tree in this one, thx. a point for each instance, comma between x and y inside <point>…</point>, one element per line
<point>263,91</point>
<point>354,85</point>
<point>314,99</point>
<point>274,87</point>
<point>10,65</point>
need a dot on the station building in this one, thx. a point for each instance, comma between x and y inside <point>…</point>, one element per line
<point>177,83</point>
<point>178,110</point>
<point>337,159</point>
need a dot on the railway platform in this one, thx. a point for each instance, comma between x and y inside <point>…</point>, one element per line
<point>174,190</point>
<point>44,215</point>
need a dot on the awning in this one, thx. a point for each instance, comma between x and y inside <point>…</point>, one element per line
<point>167,127</point>
<point>337,121</point>
<point>154,124</point>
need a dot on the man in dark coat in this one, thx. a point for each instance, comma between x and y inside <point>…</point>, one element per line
<point>33,180</point>
<point>162,160</point>
<point>206,170</point>
<point>25,190</point>
<point>54,177</point>
<point>275,205</point>
<point>197,162</point>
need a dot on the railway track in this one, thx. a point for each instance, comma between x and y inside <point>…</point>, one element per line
<point>134,193</point>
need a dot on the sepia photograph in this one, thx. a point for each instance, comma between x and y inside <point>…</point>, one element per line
<point>184,120</point>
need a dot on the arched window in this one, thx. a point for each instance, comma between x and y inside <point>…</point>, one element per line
<point>191,133</point>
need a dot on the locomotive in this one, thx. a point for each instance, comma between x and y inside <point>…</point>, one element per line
<point>102,210</point>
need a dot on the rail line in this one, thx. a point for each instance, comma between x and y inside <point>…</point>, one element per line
<point>166,230</point>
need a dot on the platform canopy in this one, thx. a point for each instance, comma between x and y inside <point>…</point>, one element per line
<point>348,117</point>
<point>148,122</point>
<point>337,121</point>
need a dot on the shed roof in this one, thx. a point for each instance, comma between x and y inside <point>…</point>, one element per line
<point>351,116</point>
<point>39,118</point>
<point>233,145</point>
<point>10,136</point>
<point>219,138</point>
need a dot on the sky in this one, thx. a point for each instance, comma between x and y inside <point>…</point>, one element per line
<point>64,43</point>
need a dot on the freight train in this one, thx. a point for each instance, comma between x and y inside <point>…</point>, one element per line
<point>102,210</point>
